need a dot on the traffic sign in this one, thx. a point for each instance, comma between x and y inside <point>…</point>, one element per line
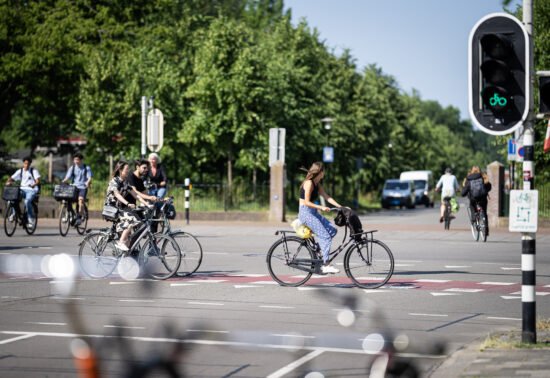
<point>155,130</point>
<point>328,154</point>
<point>511,149</point>
<point>524,209</point>
<point>276,145</point>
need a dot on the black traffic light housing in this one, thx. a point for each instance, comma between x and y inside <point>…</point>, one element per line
<point>498,69</point>
<point>544,95</point>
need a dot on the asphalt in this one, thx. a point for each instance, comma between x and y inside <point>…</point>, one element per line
<point>473,361</point>
<point>469,361</point>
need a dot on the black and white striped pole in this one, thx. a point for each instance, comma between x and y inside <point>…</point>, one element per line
<point>187,184</point>
<point>528,239</point>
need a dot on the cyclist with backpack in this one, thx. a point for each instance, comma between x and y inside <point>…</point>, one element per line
<point>477,187</point>
<point>30,186</point>
<point>81,176</point>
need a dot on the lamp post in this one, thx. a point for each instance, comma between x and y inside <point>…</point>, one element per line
<point>327,122</point>
<point>328,152</point>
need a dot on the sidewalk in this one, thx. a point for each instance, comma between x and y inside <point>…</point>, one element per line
<point>472,362</point>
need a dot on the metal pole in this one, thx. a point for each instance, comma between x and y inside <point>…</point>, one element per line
<point>528,240</point>
<point>143,126</point>
<point>187,184</point>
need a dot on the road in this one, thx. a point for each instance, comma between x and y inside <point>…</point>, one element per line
<point>233,321</point>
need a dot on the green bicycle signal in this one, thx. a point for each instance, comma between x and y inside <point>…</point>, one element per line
<point>498,100</point>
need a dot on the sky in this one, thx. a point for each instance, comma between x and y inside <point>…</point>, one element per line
<point>422,43</point>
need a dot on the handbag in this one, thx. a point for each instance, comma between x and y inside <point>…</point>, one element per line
<point>110,212</point>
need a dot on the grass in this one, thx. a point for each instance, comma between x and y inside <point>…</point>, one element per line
<point>512,339</point>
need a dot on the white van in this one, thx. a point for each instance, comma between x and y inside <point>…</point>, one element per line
<point>424,186</point>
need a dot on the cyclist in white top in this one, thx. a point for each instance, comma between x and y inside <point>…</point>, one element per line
<point>449,186</point>
<point>30,185</point>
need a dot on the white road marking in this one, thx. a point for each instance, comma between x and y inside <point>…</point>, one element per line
<point>457,266</point>
<point>137,300</point>
<point>183,284</point>
<point>435,315</point>
<point>121,283</point>
<point>435,281</point>
<point>216,253</point>
<point>248,275</point>
<point>507,268</point>
<point>122,327</point>
<point>245,286</point>
<point>460,290</point>
<point>22,337</point>
<point>292,335</point>
<point>205,331</point>
<point>69,298</point>
<point>206,303</point>
<point>207,281</point>
<point>500,318</point>
<point>44,323</point>
<point>277,307</point>
<point>308,288</point>
<point>402,265</point>
<point>497,283</point>
<point>441,294</point>
<point>539,293</point>
<point>293,365</point>
<point>509,297</point>
<point>375,291</point>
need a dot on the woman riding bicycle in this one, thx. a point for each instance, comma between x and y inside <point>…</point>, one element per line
<point>477,187</point>
<point>116,191</point>
<point>308,214</point>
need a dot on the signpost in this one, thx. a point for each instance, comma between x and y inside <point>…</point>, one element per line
<point>328,154</point>
<point>523,211</point>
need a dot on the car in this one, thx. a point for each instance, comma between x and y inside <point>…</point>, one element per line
<point>424,186</point>
<point>398,193</point>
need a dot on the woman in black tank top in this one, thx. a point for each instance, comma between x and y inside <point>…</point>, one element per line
<point>310,190</point>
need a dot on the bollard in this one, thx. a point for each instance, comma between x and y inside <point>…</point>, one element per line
<point>187,184</point>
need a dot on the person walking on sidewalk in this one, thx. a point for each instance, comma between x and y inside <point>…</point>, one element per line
<point>310,190</point>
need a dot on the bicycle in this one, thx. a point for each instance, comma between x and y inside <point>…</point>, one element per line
<point>13,214</point>
<point>447,214</point>
<point>368,262</point>
<point>478,222</point>
<point>191,249</point>
<point>157,255</point>
<point>67,195</point>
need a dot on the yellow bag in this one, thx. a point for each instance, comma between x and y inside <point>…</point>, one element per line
<point>301,230</point>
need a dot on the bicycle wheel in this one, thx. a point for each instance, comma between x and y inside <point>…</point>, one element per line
<point>369,264</point>
<point>447,216</point>
<point>10,219</point>
<point>483,226</point>
<point>290,261</point>
<point>81,227</point>
<point>160,257</point>
<point>30,230</point>
<point>473,225</point>
<point>98,256</point>
<point>64,219</point>
<point>191,253</point>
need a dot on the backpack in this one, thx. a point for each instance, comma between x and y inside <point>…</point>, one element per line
<point>477,189</point>
<point>348,217</point>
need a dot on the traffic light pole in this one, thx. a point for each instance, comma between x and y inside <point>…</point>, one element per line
<point>528,240</point>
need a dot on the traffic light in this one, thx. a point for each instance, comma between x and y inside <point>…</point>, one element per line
<point>498,69</point>
<point>544,95</point>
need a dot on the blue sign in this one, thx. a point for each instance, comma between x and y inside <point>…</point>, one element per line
<point>511,146</point>
<point>328,154</point>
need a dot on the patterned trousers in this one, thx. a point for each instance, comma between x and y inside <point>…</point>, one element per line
<point>324,231</point>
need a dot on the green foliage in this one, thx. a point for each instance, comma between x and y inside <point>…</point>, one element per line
<point>223,72</point>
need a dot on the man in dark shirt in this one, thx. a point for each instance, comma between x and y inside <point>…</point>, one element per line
<point>135,180</point>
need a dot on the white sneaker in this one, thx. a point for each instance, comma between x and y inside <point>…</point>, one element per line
<point>329,269</point>
<point>123,247</point>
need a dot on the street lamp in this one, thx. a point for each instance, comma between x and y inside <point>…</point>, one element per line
<point>327,122</point>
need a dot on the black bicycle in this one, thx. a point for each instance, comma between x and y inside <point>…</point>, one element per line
<point>478,223</point>
<point>191,249</point>
<point>157,255</point>
<point>14,215</point>
<point>67,195</point>
<point>447,214</point>
<point>368,262</point>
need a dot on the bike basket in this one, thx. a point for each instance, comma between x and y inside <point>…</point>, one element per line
<point>65,192</point>
<point>11,193</point>
<point>110,213</point>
